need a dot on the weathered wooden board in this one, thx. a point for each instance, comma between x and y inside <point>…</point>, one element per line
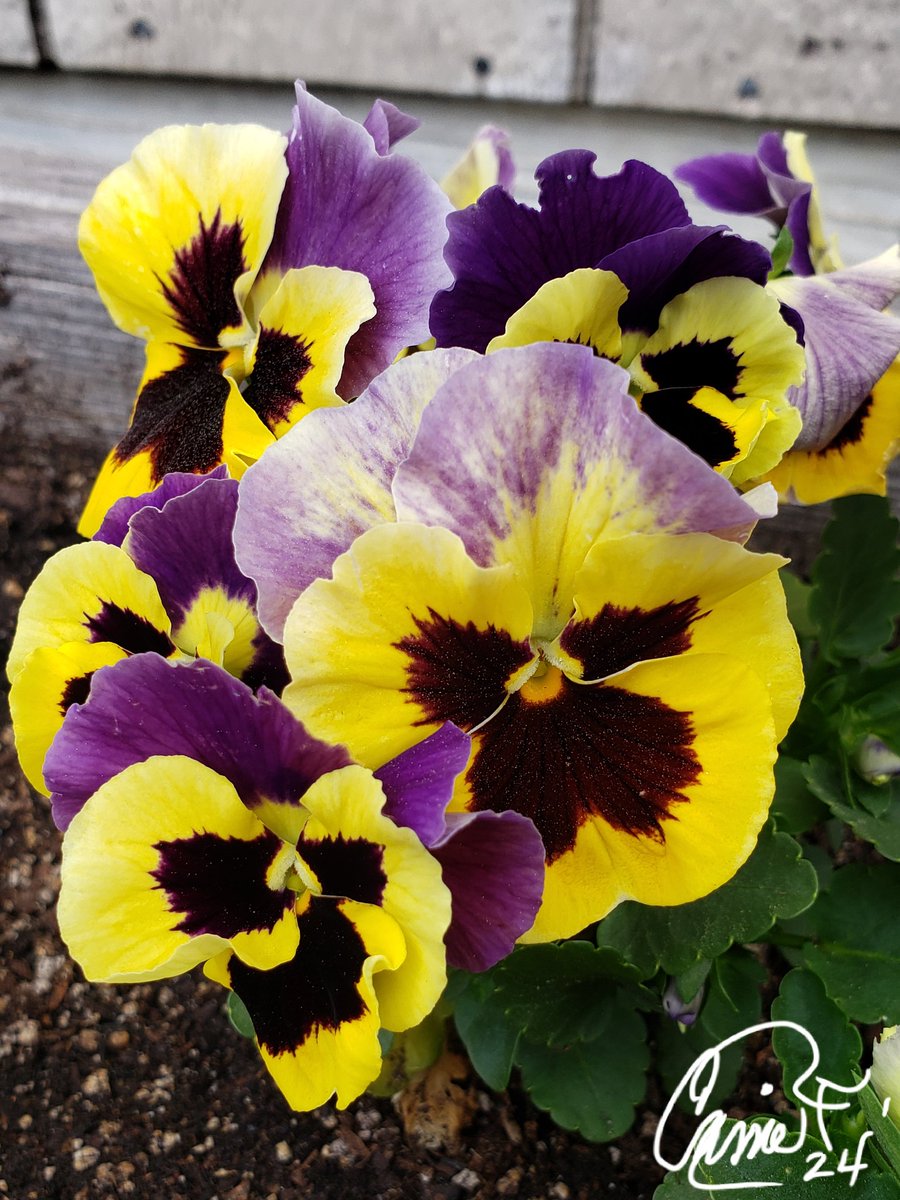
<point>812,61</point>
<point>521,48</point>
<point>17,45</point>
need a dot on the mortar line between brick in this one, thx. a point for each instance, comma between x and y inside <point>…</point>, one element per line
<point>40,31</point>
<point>587,14</point>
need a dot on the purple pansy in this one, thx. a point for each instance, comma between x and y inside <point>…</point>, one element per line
<point>632,223</point>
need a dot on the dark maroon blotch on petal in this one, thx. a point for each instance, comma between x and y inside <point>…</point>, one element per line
<point>851,432</point>
<point>589,752</point>
<point>700,431</point>
<point>200,287</point>
<point>619,637</point>
<point>76,691</point>
<point>458,672</point>
<point>220,883</point>
<point>178,417</point>
<point>317,989</point>
<point>127,629</point>
<point>281,363</point>
<point>351,867</point>
<point>697,364</point>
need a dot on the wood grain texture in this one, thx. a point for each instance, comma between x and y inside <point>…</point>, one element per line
<point>59,136</point>
<point>521,48</point>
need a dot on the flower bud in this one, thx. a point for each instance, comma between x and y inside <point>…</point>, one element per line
<point>886,1070</point>
<point>877,762</point>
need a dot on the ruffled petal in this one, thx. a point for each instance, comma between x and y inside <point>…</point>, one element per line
<point>296,360</point>
<point>165,867</point>
<point>316,1017</point>
<point>533,454</point>
<point>354,851</point>
<point>328,481</point>
<point>387,125</point>
<point>345,205</point>
<point>115,524</point>
<point>409,633</point>
<point>198,711</point>
<point>581,307</point>
<point>176,236</point>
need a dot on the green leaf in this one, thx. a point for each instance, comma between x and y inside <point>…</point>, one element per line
<point>872,811</point>
<point>856,592</point>
<point>786,1170</point>
<point>561,994</point>
<point>795,808</point>
<point>782,250</point>
<point>887,1135</point>
<point>591,1086</point>
<point>857,949</point>
<point>797,593</point>
<point>488,1034</point>
<point>238,1015</point>
<point>802,999</point>
<point>776,881</point>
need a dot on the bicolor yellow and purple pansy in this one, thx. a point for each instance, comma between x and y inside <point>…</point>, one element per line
<point>777,183</point>
<point>241,348</point>
<point>488,161</point>
<point>493,866</point>
<point>606,707</point>
<point>160,577</point>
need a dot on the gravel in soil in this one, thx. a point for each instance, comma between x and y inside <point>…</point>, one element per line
<point>146,1091</point>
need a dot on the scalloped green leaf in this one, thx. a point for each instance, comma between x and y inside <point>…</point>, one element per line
<point>782,249</point>
<point>796,807</point>
<point>856,952</point>
<point>592,1087</point>
<point>775,882</point>
<point>488,1034</point>
<point>873,811</point>
<point>557,994</point>
<point>803,1000</point>
<point>856,593</point>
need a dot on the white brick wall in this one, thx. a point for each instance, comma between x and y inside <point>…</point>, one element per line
<point>17,46</point>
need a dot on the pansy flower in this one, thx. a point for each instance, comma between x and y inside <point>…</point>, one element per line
<point>160,576</point>
<point>487,162</point>
<point>269,276</point>
<point>776,182</point>
<point>614,263</point>
<point>537,567</point>
<point>848,398</point>
<point>230,836</point>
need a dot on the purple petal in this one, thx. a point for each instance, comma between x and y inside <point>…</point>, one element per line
<point>501,252</point>
<point>328,480</point>
<point>150,706</point>
<point>177,483</point>
<point>187,547</point>
<point>504,427</point>
<point>732,183</point>
<point>345,205</point>
<point>419,782</point>
<point>388,125</point>
<point>875,282</point>
<point>493,864</point>
<point>658,268</point>
<point>848,345</point>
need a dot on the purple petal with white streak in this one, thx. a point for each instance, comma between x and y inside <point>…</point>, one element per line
<point>387,125</point>
<point>419,782</point>
<point>502,252</point>
<point>848,346</point>
<point>177,483</point>
<point>493,864</point>
<point>345,205</point>
<point>329,480</point>
<point>149,706</point>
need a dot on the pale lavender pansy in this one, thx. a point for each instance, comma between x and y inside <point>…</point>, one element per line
<point>347,205</point>
<point>492,865</point>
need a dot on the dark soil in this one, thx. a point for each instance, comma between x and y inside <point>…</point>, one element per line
<point>146,1091</point>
